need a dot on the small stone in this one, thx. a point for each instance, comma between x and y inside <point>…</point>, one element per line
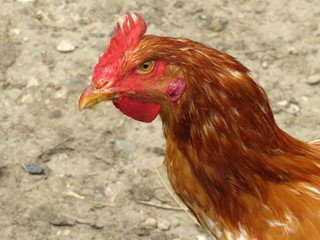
<point>32,168</point>
<point>65,47</point>
<point>293,108</point>
<point>150,223</point>
<point>61,93</point>
<point>203,17</point>
<point>201,237</point>
<point>62,221</point>
<point>164,225</point>
<point>313,80</point>
<point>84,20</point>
<point>27,98</point>
<point>39,15</point>
<point>216,26</point>
<point>32,82</point>
<point>283,103</point>
<point>16,31</point>
<point>67,232</point>
<point>292,51</point>
<point>265,65</point>
<point>224,20</point>
<point>97,225</point>
<point>55,114</point>
<point>124,146</point>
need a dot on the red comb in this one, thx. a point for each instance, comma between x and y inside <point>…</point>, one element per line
<point>129,37</point>
<point>120,43</point>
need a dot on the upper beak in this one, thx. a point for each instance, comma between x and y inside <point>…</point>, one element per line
<point>92,96</point>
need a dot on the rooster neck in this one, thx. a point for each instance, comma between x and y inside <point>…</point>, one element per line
<point>226,156</point>
<point>230,136</point>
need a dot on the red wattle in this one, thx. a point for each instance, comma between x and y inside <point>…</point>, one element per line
<point>138,110</point>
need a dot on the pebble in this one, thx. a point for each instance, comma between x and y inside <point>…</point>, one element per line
<point>265,65</point>
<point>217,25</point>
<point>67,232</point>
<point>164,225</point>
<point>27,98</point>
<point>16,31</point>
<point>55,114</point>
<point>32,82</point>
<point>293,108</point>
<point>292,51</point>
<point>224,20</point>
<point>97,225</point>
<point>40,15</point>
<point>283,103</point>
<point>61,93</point>
<point>150,223</point>
<point>65,47</point>
<point>32,168</point>
<point>125,146</point>
<point>201,237</point>
<point>314,79</point>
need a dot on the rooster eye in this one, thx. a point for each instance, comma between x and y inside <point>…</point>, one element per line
<point>145,67</point>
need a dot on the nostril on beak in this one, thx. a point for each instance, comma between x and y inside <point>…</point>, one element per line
<point>101,84</point>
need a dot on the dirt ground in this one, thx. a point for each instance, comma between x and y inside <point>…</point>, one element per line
<point>99,164</point>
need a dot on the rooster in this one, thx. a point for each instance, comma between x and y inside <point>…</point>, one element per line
<point>239,174</point>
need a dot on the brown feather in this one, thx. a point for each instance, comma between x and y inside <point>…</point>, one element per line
<point>226,158</point>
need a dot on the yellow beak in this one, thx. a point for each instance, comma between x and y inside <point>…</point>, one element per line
<point>92,96</point>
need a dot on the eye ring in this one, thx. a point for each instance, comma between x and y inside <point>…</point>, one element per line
<point>145,67</point>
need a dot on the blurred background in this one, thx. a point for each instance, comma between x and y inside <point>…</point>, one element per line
<point>99,178</point>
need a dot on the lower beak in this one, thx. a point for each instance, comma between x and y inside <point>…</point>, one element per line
<point>92,96</point>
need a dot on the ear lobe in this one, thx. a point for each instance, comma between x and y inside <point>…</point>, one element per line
<point>176,89</point>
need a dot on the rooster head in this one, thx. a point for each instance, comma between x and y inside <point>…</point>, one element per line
<point>130,74</point>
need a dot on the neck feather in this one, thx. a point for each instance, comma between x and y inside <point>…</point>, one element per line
<point>224,130</point>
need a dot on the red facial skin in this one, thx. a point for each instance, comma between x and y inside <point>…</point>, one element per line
<point>136,83</point>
